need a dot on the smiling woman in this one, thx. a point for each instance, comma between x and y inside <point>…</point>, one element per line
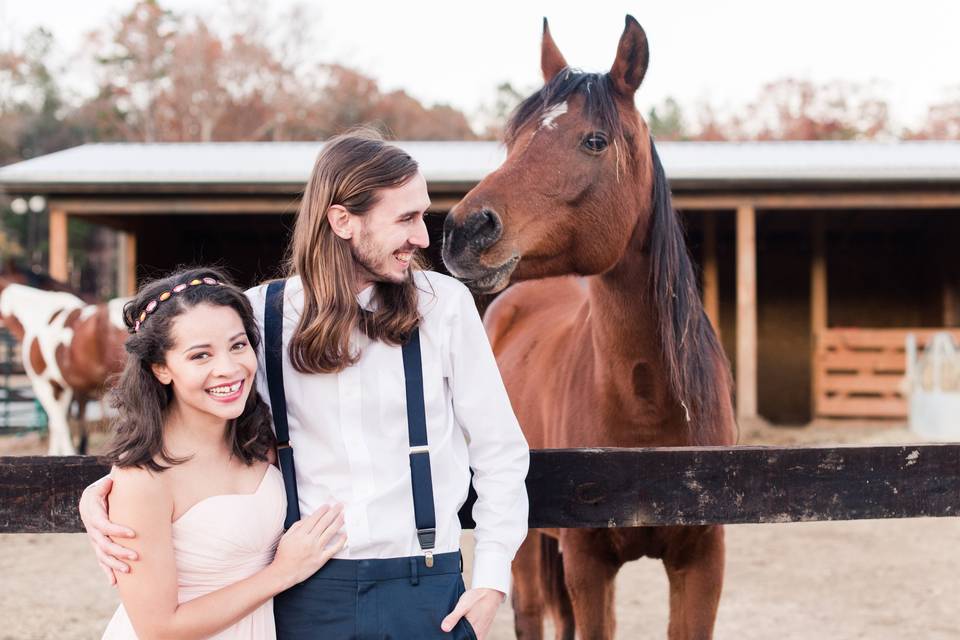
<point>192,475</point>
<point>193,340</point>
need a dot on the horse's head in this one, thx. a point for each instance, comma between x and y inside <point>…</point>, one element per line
<point>576,183</point>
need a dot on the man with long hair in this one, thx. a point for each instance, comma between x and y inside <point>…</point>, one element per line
<point>381,379</point>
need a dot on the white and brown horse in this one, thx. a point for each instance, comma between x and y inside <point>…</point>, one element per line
<point>622,356</point>
<point>69,349</point>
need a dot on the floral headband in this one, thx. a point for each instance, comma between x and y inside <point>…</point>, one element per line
<point>153,304</point>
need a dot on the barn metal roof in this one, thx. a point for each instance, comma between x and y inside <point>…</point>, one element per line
<point>99,167</point>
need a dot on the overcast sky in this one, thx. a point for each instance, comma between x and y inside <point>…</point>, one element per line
<point>718,51</point>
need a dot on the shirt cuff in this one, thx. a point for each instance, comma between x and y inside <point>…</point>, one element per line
<point>491,570</point>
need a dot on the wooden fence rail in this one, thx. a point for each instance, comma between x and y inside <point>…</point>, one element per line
<point>622,487</point>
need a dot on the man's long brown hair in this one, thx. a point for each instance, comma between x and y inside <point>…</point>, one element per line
<point>350,171</point>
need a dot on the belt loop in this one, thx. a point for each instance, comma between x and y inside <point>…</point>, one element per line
<point>414,572</point>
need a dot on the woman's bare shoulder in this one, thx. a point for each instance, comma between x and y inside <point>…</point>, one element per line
<point>132,485</point>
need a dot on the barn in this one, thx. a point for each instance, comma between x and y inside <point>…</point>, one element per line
<point>817,258</point>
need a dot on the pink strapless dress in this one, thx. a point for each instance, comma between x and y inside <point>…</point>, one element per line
<point>221,540</point>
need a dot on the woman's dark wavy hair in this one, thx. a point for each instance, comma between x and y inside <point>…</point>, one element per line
<point>142,401</point>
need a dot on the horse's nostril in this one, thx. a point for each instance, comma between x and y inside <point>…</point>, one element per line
<point>479,230</point>
<point>491,223</point>
<point>484,228</point>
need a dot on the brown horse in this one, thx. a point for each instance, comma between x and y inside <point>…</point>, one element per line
<point>622,356</point>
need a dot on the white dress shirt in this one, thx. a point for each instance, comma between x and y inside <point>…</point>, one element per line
<point>349,434</point>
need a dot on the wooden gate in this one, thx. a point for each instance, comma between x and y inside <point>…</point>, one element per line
<point>859,373</point>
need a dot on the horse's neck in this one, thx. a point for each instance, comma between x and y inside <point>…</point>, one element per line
<point>622,314</point>
<point>628,368</point>
<point>627,361</point>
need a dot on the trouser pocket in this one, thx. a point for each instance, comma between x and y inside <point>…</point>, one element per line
<point>471,634</point>
<point>463,630</point>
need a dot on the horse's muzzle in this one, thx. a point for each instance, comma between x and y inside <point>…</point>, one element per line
<point>479,231</point>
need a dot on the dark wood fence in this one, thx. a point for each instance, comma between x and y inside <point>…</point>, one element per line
<point>623,487</point>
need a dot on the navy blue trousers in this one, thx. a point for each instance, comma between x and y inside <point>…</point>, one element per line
<point>395,598</point>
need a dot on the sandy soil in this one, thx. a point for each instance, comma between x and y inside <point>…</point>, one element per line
<point>875,580</point>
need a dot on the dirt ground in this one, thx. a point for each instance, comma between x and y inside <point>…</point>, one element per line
<point>875,580</point>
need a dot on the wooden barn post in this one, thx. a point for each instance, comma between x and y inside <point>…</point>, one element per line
<point>711,279</point>
<point>127,264</point>
<point>950,299</point>
<point>746,312</point>
<point>58,244</point>
<point>818,305</point>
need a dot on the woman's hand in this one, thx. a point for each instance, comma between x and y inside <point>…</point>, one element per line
<point>308,544</point>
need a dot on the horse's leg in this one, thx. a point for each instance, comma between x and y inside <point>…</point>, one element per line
<point>539,587</point>
<point>555,587</point>
<point>54,399</point>
<point>589,571</point>
<point>57,405</point>
<point>527,597</point>
<point>695,572</point>
<point>82,400</point>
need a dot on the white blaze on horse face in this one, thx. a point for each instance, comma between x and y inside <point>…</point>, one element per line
<point>548,121</point>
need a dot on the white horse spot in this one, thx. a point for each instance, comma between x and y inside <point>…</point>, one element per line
<point>548,121</point>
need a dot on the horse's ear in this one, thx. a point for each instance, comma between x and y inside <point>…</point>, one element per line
<point>633,55</point>
<point>551,60</point>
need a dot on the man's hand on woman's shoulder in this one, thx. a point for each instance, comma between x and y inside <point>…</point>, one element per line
<point>101,532</point>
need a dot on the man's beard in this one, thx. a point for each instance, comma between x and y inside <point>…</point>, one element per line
<point>368,267</point>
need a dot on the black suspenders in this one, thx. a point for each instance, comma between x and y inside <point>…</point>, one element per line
<point>273,353</point>
<point>423,513</point>
<point>421,481</point>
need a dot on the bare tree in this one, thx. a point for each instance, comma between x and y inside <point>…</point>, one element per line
<point>791,109</point>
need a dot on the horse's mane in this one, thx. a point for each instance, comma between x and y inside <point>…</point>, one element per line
<point>695,365</point>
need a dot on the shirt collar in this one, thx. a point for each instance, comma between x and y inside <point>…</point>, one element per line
<point>365,298</point>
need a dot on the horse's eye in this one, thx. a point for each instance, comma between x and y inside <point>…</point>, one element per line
<point>595,142</point>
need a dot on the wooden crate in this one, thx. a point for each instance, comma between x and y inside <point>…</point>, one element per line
<point>859,373</point>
